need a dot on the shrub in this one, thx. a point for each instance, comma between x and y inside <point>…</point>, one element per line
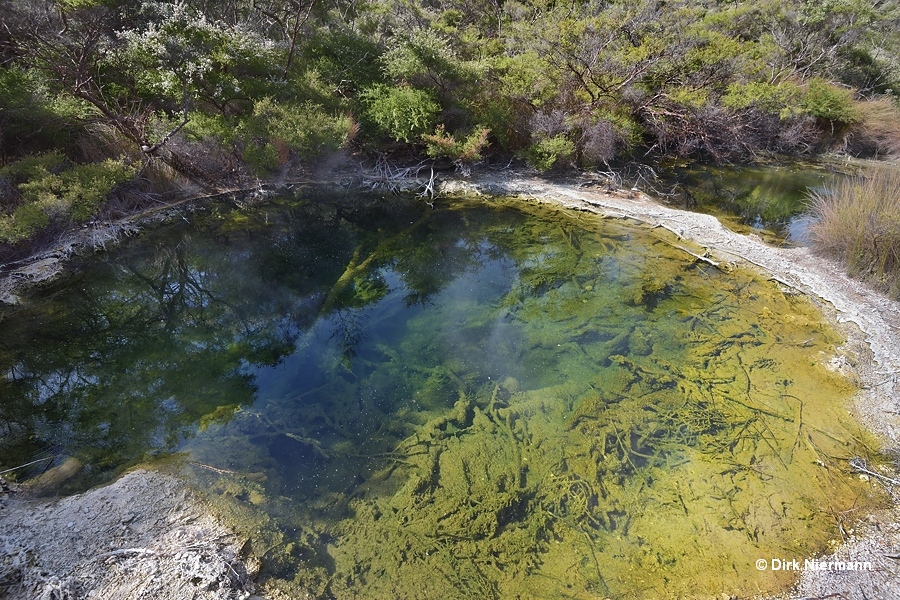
<point>550,152</point>
<point>275,130</point>
<point>441,144</point>
<point>77,192</point>
<point>48,189</point>
<point>858,221</point>
<point>503,117</point>
<point>423,57</point>
<point>27,220</point>
<point>32,120</point>
<point>781,99</point>
<point>829,102</point>
<point>349,59</point>
<point>400,113</point>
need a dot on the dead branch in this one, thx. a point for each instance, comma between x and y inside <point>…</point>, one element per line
<point>34,462</point>
<point>860,466</point>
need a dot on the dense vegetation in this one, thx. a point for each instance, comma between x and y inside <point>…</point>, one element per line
<point>105,105</point>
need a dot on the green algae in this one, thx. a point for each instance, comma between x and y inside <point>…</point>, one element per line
<point>506,401</point>
<point>609,422</point>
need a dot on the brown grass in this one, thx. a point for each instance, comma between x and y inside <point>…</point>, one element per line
<point>858,221</point>
<point>877,133</point>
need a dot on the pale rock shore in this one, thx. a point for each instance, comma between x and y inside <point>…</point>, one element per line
<point>145,535</point>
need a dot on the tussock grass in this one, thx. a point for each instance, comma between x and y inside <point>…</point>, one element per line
<point>858,221</point>
<point>877,133</point>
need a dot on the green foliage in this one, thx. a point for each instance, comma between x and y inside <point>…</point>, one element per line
<point>31,120</point>
<point>441,144</point>
<point>177,53</point>
<point>305,130</point>
<point>781,98</point>
<point>31,167</point>
<point>422,57</point>
<point>210,126</point>
<point>829,102</point>
<point>690,98</point>
<point>23,223</point>
<point>266,80</point>
<point>525,76</point>
<point>349,60</point>
<point>550,152</point>
<point>51,189</point>
<point>400,113</point>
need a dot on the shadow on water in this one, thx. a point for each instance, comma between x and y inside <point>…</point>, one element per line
<point>473,401</point>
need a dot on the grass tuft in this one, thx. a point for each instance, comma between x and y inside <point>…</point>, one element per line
<point>858,222</point>
<point>878,131</point>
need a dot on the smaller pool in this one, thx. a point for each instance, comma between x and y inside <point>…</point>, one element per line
<point>770,200</point>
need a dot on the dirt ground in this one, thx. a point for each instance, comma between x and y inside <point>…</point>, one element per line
<point>148,536</point>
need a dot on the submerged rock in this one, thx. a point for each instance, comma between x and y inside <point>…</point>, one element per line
<point>52,479</point>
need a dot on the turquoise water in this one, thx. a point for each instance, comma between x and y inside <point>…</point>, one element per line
<point>493,400</point>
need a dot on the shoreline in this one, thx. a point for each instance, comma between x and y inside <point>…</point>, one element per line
<point>869,321</point>
<point>145,535</point>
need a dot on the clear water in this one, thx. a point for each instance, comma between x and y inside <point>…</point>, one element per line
<point>475,401</point>
<point>768,200</point>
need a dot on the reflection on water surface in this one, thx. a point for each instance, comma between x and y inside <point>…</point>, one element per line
<point>771,200</point>
<point>474,401</point>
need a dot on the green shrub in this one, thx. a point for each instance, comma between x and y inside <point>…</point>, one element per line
<point>306,128</point>
<point>345,57</point>
<point>274,130</point>
<point>829,102</point>
<point>422,57</point>
<point>550,152</point>
<point>210,126</point>
<point>76,192</point>
<point>31,167</point>
<point>504,117</point>
<point>400,113</point>
<point>32,119</point>
<point>858,221</point>
<point>261,156</point>
<point>781,99</point>
<point>51,190</point>
<point>25,222</point>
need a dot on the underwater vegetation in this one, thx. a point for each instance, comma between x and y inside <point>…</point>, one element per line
<point>477,401</point>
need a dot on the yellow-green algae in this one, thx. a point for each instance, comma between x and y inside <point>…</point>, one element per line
<point>663,426</point>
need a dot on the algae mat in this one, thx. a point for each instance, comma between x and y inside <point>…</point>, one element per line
<point>475,401</point>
